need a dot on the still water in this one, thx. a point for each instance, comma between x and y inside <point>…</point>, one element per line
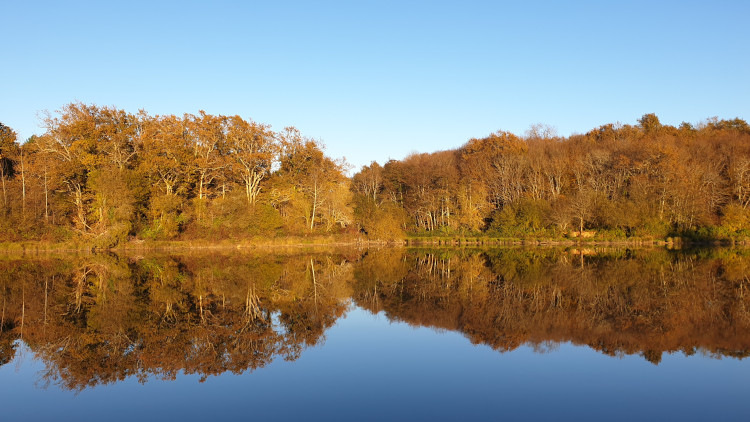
<point>390,334</point>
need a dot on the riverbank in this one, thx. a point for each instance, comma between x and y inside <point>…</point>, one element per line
<point>137,245</point>
<point>301,242</point>
<point>672,242</point>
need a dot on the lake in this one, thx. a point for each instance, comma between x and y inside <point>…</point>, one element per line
<point>378,334</point>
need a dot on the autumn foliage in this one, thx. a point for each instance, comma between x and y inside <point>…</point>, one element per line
<point>104,176</point>
<point>616,181</point>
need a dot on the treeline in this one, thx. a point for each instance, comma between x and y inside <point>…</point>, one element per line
<point>105,176</point>
<point>647,180</point>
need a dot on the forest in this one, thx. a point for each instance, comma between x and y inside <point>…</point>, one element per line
<point>104,177</point>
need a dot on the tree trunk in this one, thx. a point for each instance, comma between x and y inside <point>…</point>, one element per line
<point>252,185</point>
<point>580,231</point>
<point>46,198</point>
<point>2,177</point>
<point>314,205</point>
<point>80,212</point>
<point>23,187</point>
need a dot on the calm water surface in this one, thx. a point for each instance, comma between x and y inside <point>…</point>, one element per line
<point>378,335</point>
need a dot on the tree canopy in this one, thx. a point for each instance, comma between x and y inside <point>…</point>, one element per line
<point>648,180</point>
<point>104,176</point>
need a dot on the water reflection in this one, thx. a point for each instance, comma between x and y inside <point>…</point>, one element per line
<point>102,318</point>
<point>626,302</point>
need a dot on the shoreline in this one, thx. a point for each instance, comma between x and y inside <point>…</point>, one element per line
<point>322,242</point>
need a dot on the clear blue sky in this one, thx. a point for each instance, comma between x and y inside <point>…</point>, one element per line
<point>378,79</point>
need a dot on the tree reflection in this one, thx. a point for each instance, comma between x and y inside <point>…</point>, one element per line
<point>643,302</point>
<point>97,319</point>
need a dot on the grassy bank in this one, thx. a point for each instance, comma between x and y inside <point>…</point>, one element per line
<point>297,242</point>
<point>258,243</point>
<point>545,241</point>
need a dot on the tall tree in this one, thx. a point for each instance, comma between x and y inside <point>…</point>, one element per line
<point>207,136</point>
<point>9,152</point>
<point>254,149</point>
<point>309,176</point>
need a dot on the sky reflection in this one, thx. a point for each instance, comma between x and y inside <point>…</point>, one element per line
<point>370,368</point>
